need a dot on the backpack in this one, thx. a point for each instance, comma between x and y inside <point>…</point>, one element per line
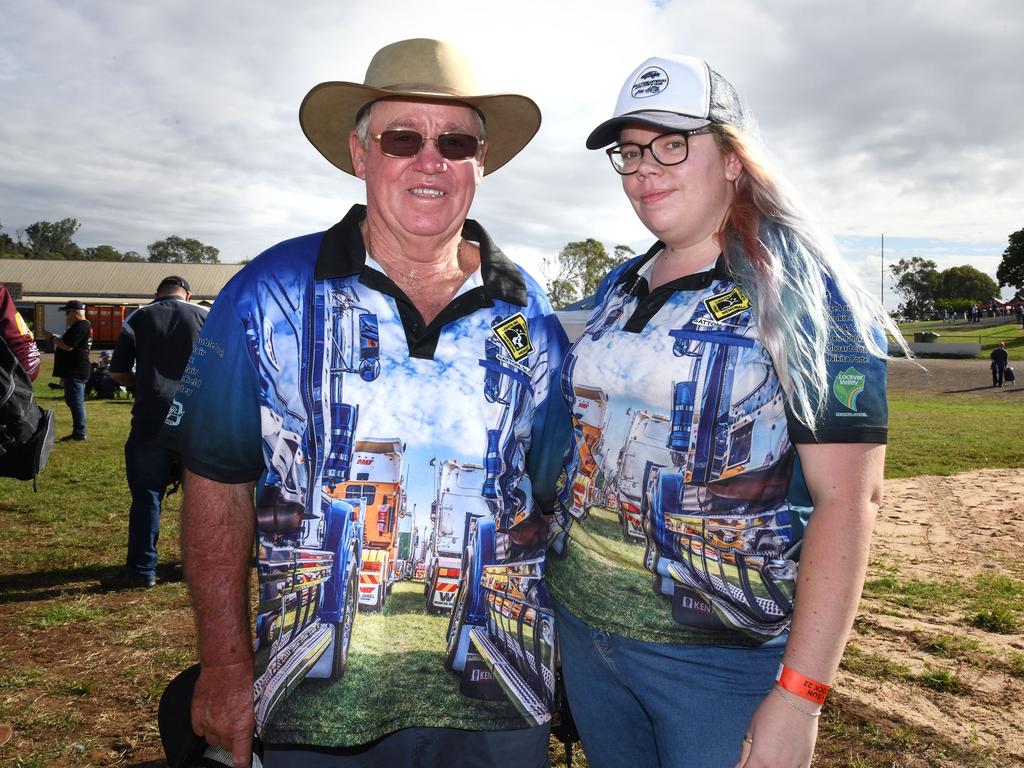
<point>26,430</point>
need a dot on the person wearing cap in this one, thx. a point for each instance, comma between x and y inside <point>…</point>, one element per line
<point>745,375</point>
<point>149,358</point>
<point>403,325</point>
<point>71,364</point>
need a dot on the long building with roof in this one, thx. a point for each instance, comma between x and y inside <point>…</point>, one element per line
<point>106,282</point>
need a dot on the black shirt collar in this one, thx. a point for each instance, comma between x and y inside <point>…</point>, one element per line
<point>343,253</point>
<point>636,285</point>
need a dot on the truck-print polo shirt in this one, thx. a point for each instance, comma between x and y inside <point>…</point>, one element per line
<point>318,378</point>
<point>683,503</point>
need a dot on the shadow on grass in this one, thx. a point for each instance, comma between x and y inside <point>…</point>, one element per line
<point>44,585</point>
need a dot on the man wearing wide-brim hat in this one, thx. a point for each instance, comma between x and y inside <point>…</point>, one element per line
<point>391,378</point>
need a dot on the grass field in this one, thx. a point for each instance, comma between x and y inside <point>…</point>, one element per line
<point>988,336</point>
<point>81,671</point>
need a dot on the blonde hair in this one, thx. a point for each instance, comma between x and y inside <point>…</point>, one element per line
<point>783,261</point>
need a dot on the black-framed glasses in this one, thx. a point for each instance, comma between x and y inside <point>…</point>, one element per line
<point>668,149</point>
<point>406,143</point>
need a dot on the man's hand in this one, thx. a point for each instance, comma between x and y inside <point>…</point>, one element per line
<point>222,710</point>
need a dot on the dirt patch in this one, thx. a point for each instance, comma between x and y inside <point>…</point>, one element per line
<point>941,376</point>
<point>931,531</point>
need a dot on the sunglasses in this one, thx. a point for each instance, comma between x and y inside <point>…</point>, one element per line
<point>405,143</point>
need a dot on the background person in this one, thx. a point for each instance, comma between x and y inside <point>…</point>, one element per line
<point>16,333</point>
<point>151,353</point>
<point>1000,359</point>
<point>757,372</point>
<point>400,318</point>
<point>71,365</point>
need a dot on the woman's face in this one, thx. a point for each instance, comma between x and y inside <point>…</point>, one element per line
<point>683,205</point>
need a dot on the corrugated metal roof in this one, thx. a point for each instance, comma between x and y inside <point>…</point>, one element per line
<point>114,282</point>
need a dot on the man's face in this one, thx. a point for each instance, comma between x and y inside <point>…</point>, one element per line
<point>423,196</point>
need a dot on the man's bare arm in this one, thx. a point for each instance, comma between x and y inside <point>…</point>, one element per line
<point>218,522</point>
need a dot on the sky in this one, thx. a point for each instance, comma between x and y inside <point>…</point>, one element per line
<point>141,120</point>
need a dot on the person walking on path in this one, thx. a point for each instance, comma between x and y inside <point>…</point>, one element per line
<point>155,342</point>
<point>1000,359</point>
<point>71,365</point>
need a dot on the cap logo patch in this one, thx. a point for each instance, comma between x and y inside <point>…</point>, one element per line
<point>515,336</point>
<point>650,82</point>
<point>727,304</point>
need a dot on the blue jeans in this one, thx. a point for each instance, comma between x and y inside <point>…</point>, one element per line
<point>658,705</point>
<point>147,466</point>
<point>74,397</point>
<point>427,748</point>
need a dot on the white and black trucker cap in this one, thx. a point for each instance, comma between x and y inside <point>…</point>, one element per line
<point>673,92</point>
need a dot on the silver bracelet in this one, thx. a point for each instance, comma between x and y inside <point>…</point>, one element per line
<point>801,710</point>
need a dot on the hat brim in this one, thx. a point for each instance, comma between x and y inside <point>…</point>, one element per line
<point>608,131</point>
<point>328,115</point>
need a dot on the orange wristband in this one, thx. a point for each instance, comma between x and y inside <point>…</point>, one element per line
<point>804,687</point>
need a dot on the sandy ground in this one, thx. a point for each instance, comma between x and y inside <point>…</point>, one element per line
<point>946,528</point>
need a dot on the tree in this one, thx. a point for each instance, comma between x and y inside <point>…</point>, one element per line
<point>53,239</point>
<point>580,267</point>
<point>965,283</point>
<point>110,253</point>
<point>180,250</point>
<point>1011,268</point>
<point>916,281</point>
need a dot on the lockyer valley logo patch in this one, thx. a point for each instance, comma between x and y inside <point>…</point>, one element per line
<point>847,386</point>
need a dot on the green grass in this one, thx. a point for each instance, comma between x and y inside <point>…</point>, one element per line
<point>992,602</point>
<point>988,336</point>
<point>948,434</point>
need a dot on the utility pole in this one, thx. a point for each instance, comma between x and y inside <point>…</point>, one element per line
<point>882,284</point>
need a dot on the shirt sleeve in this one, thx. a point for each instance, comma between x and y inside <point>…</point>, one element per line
<point>214,418</point>
<point>855,408</point>
<point>123,358</point>
<point>551,426</point>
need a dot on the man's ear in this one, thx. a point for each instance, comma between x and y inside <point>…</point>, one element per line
<point>358,153</point>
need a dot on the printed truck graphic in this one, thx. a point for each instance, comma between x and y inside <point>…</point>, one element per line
<point>718,521</point>
<point>589,413</point>
<point>310,543</point>
<point>458,500</point>
<point>377,483</point>
<point>501,635</point>
<point>644,452</point>
<point>309,572</point>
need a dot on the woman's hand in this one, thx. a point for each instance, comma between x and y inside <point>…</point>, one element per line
<point>781,734</point>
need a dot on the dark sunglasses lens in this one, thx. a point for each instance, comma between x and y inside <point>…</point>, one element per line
<point>456,146</point>
<point>400,143</point>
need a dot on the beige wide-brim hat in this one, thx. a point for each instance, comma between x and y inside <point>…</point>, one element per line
<point>419,68</point>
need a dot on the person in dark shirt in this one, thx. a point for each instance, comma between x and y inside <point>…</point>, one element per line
<point>1000,359</point>
<point>71,365</point>
<point>150,356</point>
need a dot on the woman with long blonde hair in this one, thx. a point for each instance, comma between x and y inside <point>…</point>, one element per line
<point>732,460</point>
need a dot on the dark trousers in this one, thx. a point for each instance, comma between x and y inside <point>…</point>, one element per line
<point>74,397</point>
<point>147,466</point>
<point>998,372</point>
<point>427,748</point>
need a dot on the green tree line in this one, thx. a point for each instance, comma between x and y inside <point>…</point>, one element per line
<point>54,240</point>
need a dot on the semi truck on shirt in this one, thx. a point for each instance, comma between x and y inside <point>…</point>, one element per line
<point>501,633</point>
<point>589,411</point>
<point>377,483</point>
<point>309,546</point>
<point>458,500</point>
<point>644,452</point>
